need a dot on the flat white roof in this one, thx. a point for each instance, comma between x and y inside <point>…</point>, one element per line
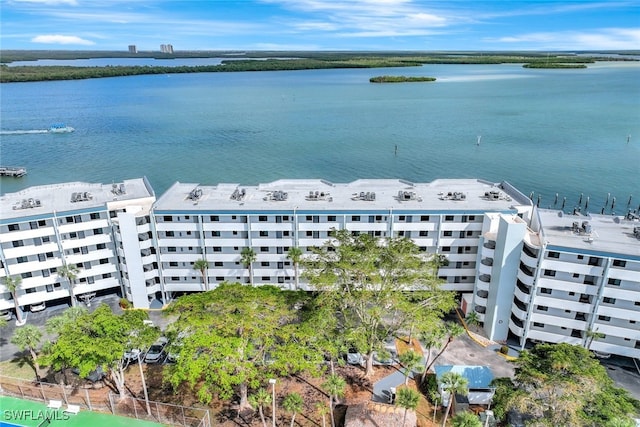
<point>608,234</point>
<point>46,199</point>
<point>360,195</point>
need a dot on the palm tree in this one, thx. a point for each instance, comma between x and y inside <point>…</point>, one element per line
<point>261,398</point>
<point>248,256</point>
<point>28,338</point>
<point>69,272</point>
<point>592,335</point>
<point>293,403</point>
<point>323,410</point>
<point>202,265</point>
<point>453,330</point>
<point>295,255</point>
<point>435,399</point>
<point>453,383</point>
<point>411,361</point>
<point>466,419</point>
<point>407,398</point>
<point>334,386</point>
<point>472,319</point>
<point>13,284</point>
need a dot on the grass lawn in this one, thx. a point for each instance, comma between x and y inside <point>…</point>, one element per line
<point>17,368</point>
<point>19,412</point>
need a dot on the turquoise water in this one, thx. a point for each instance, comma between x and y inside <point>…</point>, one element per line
<point>545,131</point>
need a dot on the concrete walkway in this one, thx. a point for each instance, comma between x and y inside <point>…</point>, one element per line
<point>381,389</point>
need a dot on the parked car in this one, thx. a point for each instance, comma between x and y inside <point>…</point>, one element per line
<point>156,353</point>
<point>354,358</point>
<point>38,307</point>
<point>387,357</point>
<point>5,315</point>
<point>132,355</point>
<point>93,376</point>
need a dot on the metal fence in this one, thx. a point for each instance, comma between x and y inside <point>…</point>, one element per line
<point>98,400</point>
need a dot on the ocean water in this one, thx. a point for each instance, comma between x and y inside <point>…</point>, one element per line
<point>545,131</point>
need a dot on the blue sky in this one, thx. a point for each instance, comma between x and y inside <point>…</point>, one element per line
<point>320,24</point>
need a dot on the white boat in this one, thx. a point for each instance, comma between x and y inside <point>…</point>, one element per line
<point>60,128</point>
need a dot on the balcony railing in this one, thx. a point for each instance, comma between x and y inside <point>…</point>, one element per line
<point>485,278</point>
<point>524,288</point>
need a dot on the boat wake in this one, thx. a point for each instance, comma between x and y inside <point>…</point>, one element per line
<point>23,132</point>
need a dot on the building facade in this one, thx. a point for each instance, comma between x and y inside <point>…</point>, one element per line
<point>529,274</point>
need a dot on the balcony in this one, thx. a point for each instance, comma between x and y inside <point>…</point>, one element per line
<point>489,244</point>
<point>523,287</point>
<point>517,330</point>
<point>487,261</point>
<point>522,296</point>
<point>524,278</point>
<point>485,278</point>
<point>526,270</point>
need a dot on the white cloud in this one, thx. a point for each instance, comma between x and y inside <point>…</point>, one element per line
<point>603,38</point>
<point>60,39</point>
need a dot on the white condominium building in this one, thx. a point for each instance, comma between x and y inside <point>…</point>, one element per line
<point>529,274</point>
<point>565,278</point>
<point>89,226</point>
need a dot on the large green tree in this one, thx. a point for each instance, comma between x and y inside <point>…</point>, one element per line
<point>563,384</point>
<point>99,339</point>
<point>239,336</point>
<point>375,287</point>
<point>29,338</point>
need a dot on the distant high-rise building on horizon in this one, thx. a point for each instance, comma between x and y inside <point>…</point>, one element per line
<point>166,48</point>
<point>133,48</point>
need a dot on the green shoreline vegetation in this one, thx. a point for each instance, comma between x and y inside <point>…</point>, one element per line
<point>400,79</point>
<point>273,61</point>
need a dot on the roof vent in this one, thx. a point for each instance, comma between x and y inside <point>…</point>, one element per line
<point>27,204</point>
<point>81,197</point>
<point>118,189</point>
<point>195,194</point>
<point>239,194</point>
<point>315,196</point>
<point>365,196</point>
<point>277,196</point>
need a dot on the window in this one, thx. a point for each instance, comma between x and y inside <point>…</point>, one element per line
<point>173,264</point>
<point>171,249</point>
<point>448,217</point>
<point>97,231</point>
<point>355,218</point>
<point>264,234</point>
<point>169,234</point>
<point>604,318</point>
<point>538,324</point>
<point>619,263</point>
<point>217,249</point>
<point>280,279</point>
<point>308,233</point>
<point>217,264</point>
<point>424,218</point>
<point>17,243</point>
<point>262,218</point>
<point>214,218</point>
<point>264,248</point>
<point>94,215</point>
<point>580,256</point>
<point>101,246</point>
<point>33,225</point>
<point>545,291</point>
<point>542,308</point>
<point>554,254</point>
<point>609,300</point>
<point>104,261</point>
<point>424,233</point>
<point>446,249</point>
<point>46,239</point>
<point>264,264</point>
<point>215,234</point>
<point>472,217</point>
<point>594,260</point>
<point>550,273</point>
<point>447,233</point>
<point>168,218</point>
<point>22,259</point>
<point>14,227</point>
<point>614,282</point>
<point>331,218</point>
<point>26,275</point>
<point>266,278</point>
